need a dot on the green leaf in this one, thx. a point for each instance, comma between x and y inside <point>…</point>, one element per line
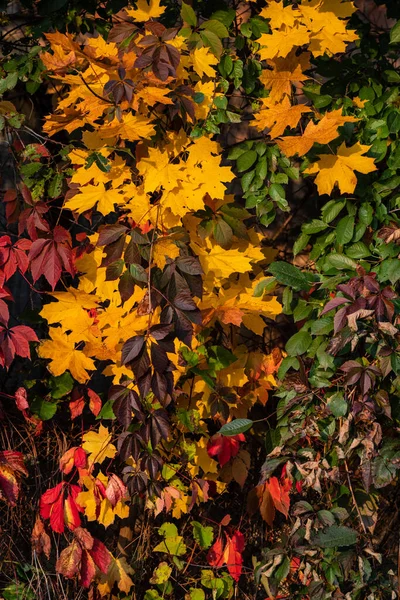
<point>246,160</point>
<point>331,210</point>
<point>276,191</point>
<point>188,15</point>
<point>383,471</point>
<point>212,41</point>
<point>203,535</point>
<point>335,536</point>
<point>315,226</point>
<point>138,273</point>
<point>289,275</point>
<point>345,230</point>
<point>173,543</point>
<point>225,66</point>
<point>366,213</point>
<point>395,34</point>
<point>223,233</point>
<point>358,250</point>
<point>340,261</point>
<point>45,410</point>
<point>225,16</point>
<point>196,594</point>
<point>290,362</point>
<point>216,27</point>
<point>61,386</point>
<point>18,591</point>
<point>337,404</point>
<point>264,286</point>
<point>235,427</point>
<point>55,185</point>
<point>161,574</point>
<point>322,326</point>
<point>298,343</point>
<point>9,82</point>
<point>247,179</point>
<point>300,243</point>
<point>106,411</point>
<point>283,570</point>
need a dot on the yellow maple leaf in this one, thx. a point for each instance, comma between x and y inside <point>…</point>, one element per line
<point>118,573</point>
<point>69,307</point>
<point>339,8</point>
<point>279,15</point>
<point>65,357</point>
<point>285,72</point>
<point>151,95</point>
<point>282,41</point>
<point>164,248</point>
<point>224,262</point>
<point>203,60</point>
<point>279,116</point>
<point>146,10</point>
<point>91,195</point>
<point>322,133</point>
<point>71,311</point>
<point>339,169</point>
<point>59,60</point>
<point>98,445</point>
<point>138,205</point>
<point>130,127</point>
<point>331,40</point>
<point>101,48</point>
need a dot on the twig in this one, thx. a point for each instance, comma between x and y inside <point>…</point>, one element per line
<point>353,497</point>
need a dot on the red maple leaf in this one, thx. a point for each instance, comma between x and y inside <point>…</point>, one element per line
<point>224,448</point>
<point>15,340</point>
<point>229,555</point>
<point>59,505</point>
<point>12,257</point>
<point>50,256</point>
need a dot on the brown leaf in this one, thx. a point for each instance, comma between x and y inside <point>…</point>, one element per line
<point>69,560</point>
<point>40,539</point>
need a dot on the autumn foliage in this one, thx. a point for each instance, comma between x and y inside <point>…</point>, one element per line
<point>192,457</point>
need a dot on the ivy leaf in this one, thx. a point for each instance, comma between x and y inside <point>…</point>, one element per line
<point>173,543</point>
<point>203,535</point>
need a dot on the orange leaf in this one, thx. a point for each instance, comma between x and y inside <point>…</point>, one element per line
<point>94,402</point>
<point>76,407</point>
<point>280,495</point>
